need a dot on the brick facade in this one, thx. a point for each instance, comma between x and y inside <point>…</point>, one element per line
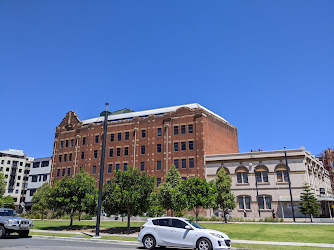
<point>188,132</point>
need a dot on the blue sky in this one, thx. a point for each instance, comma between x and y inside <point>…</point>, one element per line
<point>265,66</point>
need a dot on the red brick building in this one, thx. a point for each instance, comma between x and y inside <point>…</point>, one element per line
<point>150,140</point>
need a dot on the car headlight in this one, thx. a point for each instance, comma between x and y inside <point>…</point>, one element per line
<point>13,221</point>
<point>217,235</point>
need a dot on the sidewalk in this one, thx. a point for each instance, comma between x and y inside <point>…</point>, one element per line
<point>304,244</point>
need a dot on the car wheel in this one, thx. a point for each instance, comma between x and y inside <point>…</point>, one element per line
<point>24,234</point>
<point>2,232</point>
<point>149,242</point>
<point>204,244</point>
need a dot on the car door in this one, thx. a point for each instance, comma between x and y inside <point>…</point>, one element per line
<point>180,236</point>
<point>163,232</point>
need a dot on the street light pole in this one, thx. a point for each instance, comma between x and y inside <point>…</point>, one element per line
<point>288,171</point>
<point>104,138</point>
<point>257,194</point>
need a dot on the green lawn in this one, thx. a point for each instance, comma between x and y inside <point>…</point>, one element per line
<point>248,231</point>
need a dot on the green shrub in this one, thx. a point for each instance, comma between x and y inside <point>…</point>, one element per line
<point>37,216</point>
<point>190,217</point>
<point>281,220</point>
<point>202,218</point>
<point>213,218</point>
<point>86,217</point>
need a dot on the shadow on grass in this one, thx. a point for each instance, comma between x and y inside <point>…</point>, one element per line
<point>68,228</point>
<point>113,230</point>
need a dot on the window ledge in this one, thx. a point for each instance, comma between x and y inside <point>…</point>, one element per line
<point>242,184</point>
<point>282,183</point>
<point>263,183</point>
<point>247,210</point>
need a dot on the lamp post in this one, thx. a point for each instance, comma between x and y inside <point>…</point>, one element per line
<point>98,217</point>
<point>257,194</point>
<point>288,172</point>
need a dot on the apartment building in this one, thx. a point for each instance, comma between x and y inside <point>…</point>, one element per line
<point>260,181</point>
<point>39,173</point>
<point>150,140</point>
<point>16,167</point>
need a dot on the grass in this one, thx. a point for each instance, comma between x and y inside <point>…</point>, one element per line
<point>316,233</point>
<point>273,247</point>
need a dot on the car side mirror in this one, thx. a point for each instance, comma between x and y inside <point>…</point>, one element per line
<point>188,227</point>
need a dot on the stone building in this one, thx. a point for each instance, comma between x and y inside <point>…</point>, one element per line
<point>16,167</point>
<point>150,140</point>
<point>260,181</point>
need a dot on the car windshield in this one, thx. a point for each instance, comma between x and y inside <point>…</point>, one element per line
<point>194,224</point>
<point>7,212</point>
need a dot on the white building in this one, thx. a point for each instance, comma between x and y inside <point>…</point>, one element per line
<point>260,181</point>
<point>39,173</point>
<point>16,166</point>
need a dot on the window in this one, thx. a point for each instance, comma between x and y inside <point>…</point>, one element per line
<point>190,128</point>
<point>61,144</point>
<point>155,222</point>
<point>242,175</point>
<point>60,158</point>
<point>183,129</point>
<point>83,141</point>
<point>261,174</point>
<point>111,152</point>
<point>109,168</point>
<point>127,134</point>
<point>264,202</point>
<point>184,163</point>
<point>35,165</point>
<point>158,183</point>
<point>125,166</point>
<point>184,178</point>
<point>126,151</point>
<point>191,145</point>
<point>66,144</point>
<point>282,174</point>
<point>82,155</point>
<point>108,181</point>
<point>21,163</point>
<point>183,146</point>
<point>45,177</point>
<point>117,166</point>
<point>8,162</point>
<point>143,133</point>
<point>159,132</point>
<point>112,137</point>
<point>95,154</point>
<point>63,172</point>
<point>178,223</point>
<point>19,178</point>
<point>142,166</point>
<point>34,178</point>
<point>2,161</point>
<point>70,157</point>
<point>94,170</point>
<point>142,150</point>
<point>176,130</point>
<point>176,163</point>
<point>32,191</point>
<point>119,136</point>
<point>158,148</point>
<point>176,146</point>
<point>58,172</point>
<point>72,142</point>
<point>68,171</point>
<point>65,157</point>
<point>191,162</point>
<point>118,152</point>
<point>244,202</point>
<point>96,139</point>
<point>45,164</point>
<point>158,165</point>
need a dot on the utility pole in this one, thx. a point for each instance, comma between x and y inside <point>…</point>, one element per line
<point>288,171</point>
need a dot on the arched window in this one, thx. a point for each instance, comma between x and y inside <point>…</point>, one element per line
<point>282,173</point>
<point>226,170</point>
<point>261,173</point>
<point>242,174</point>
<point>264,202</point>
<point>244,202</point>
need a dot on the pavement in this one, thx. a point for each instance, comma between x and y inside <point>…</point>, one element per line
<point>304,244</point>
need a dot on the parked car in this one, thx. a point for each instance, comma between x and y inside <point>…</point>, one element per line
<point>11,223</point>
<point>180,232</point>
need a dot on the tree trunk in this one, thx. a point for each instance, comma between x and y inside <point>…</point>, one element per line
<point>42,213</point>
<point>129,215</point>
<point>71,223</point>
<point>80,216</point>
<point>311,217</point>
<point>196,213</point>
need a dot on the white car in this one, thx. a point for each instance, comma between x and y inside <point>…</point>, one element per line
<point>180,232</point>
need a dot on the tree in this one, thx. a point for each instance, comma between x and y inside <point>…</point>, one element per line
<point>128,193</point>
<point>170,195</point>
<point>155,208</point>
<point>41,199</point>
<point>199,193</point>
<point>309,205</point>
<point>2,184</point>
<point>8,202</point>
<point>75,194</point>
<point>225,199</point>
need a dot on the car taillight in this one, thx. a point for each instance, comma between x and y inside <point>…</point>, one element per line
<point>142,227</point>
